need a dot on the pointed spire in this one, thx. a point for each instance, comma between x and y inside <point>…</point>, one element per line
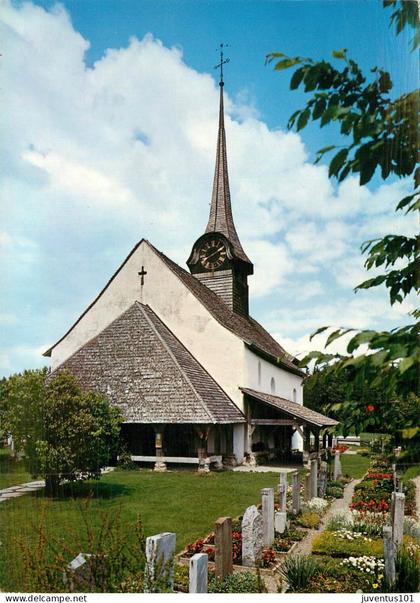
<point>221,219</point>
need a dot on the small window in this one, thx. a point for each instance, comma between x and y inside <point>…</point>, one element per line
<point>294,394</point>
<point>273,385</point>
<point>259,372</point>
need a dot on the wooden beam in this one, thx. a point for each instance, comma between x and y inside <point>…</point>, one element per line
<point>272,422</point>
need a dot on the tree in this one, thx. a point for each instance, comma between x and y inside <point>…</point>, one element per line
<point>64,432</point>
<point>383,136</point>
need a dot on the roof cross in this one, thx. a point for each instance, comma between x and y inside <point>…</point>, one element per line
<point>222,62</point>
<point>142,274</point>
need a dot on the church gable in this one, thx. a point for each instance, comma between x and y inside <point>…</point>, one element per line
<point>146,372</point>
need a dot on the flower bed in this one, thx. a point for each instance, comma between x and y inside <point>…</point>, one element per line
<point>345,544</point>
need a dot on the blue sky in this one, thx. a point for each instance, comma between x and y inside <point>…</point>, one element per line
<point>111,127</point>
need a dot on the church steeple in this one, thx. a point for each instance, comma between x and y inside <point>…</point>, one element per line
<point>217,258</point>
<point>221,218</point>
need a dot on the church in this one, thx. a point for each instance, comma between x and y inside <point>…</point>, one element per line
<point>196,378</point>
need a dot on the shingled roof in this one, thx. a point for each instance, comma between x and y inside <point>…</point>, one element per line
<point>146,371</point>
<point>245,327</point>
<point>292,408</point>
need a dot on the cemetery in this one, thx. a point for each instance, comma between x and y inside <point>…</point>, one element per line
<point>312,530</point>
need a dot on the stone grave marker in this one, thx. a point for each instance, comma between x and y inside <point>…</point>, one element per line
<point>398,500</point>
<point>267,495</point>
<point>338,472</point>
<point>322,479</point>
<point>199,569</point>
<point>314,478</point>
<point>307,487</point>
<point>252,536</point>
<point>223,547</point>
<point>280,522</point>
<point>296,492</point>
<point>389,556</point>
<point>283,492</point>
<point>160,554</point>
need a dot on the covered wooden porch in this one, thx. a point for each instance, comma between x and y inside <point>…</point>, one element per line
<point>282,431</point>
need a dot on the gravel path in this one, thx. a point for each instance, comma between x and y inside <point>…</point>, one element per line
<point>304,547</point>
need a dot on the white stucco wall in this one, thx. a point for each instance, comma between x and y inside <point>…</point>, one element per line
<point>259,375</point>
<point>260,378</point>
<point>216,348</point>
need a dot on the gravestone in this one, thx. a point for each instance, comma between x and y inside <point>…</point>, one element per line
<point>314,478</point>
<point>296,492</point>
<point>307,488</point>
<point>252,536</point>
<point>322,479</point>
<point>267,495</point>
<point>199,569</point>
<point>280,522</point>
<point>389,556</point>
<point>223,547</point>
<point>160,552</point>
<point>398,500</point>
<point>283,492</point>
<point>337,466</point>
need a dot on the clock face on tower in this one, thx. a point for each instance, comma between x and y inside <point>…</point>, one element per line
<point>212,254</point>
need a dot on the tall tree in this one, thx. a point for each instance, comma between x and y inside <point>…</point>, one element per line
<point>64,432</point>
<point>383,138</point>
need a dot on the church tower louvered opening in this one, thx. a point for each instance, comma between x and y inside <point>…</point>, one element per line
<point>217,258</point>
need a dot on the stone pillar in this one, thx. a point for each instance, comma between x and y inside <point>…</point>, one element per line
<point>239,442</point>
<point>250,456</point>
<point>398,518</point>
<point>198,573</point>
<point>223,547</point>
<point>160,464</point>
<point>252,536</point>
<point>296,492</point>
<point>337,466</point>
<point>322,481</point>
<point>283,492</point>
<point>267,495</point>
<point>203,461</point>
<point>389,556</point>
<point>160,556</point>
<point>394,476</point>
<point>314,478</point>
<point>307,487</point>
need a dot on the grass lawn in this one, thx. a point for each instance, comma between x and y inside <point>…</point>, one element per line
<point>180,501</point>
<point>12,472</point>
<point>411,472</point>
<point>354,465</point>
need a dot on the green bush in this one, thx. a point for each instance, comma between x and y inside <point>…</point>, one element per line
<point>181,578</point>
<point>309,520</point>
<point>334,492</point>
<point>407,569</point>
<point>329,543</point>
<point>241,582</point>
<point>298,570</point>
<point>295,534</point>
<point>335,484</point>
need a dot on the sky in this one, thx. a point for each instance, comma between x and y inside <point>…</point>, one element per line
<point>108,134</point>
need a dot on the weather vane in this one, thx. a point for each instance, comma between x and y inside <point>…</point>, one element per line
<point>222,62</point>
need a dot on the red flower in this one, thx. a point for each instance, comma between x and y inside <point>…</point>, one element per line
<point>370,408</point>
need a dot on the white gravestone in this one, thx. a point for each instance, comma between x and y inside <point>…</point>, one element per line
<point>198,573</point>
<point>252,536</point>
<point>160,553</point>
<point>267,495</point>
<point>280,522</point>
